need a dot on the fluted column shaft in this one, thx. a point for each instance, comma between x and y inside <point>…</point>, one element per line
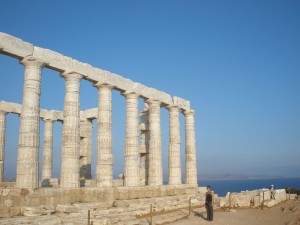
<point>89,149</point>
<point>104,168</point>
<point>190,149</point>
<point>144,147</point>
<point>132,142</point>
<point>2,143</point>
<point>70,133</point>
<point>86,128</point>
<point>28,147</point>
<point>47,150</point>
<point>174,146</point>
<point>155,151</point>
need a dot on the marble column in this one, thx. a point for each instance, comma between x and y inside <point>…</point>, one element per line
<point>47,150</point>
<point>174,146</point>
<point>144,147</point>
<point>2,143</point>
<point>104,168</point>
<point>155,151</point>
<point>69,177</point>
<point>190,149</point>
<point>28,147</point>
<point>86,129</point>
<point>131,172</point>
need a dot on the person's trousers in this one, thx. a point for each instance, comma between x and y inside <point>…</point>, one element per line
<point>209,210</point>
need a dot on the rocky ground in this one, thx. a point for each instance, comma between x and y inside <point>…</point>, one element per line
<point>286,213</point>
<point>136,212</point>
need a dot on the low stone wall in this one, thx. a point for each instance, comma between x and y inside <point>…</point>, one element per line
<point>13,199</point>
<point>7,184</point>
<point>254,198</point>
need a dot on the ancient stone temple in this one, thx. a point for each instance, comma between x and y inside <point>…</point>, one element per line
<point>143,162</point>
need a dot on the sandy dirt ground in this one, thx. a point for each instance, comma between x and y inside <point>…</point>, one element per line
<point>287,213</point>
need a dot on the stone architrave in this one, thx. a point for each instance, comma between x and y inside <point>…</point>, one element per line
<point>190,149</point>
<point>174,146</point>
<point>2,143</point>
<point>155,151</point>
<point>28,147</point>
<point>71,134</point>
<point>47,150</point>
<point>131,171</point>
<point>104,168</point>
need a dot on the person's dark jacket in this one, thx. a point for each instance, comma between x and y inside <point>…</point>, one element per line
<point>208,199</point>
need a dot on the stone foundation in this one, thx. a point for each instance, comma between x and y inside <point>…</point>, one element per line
<point>12,200</point>
<point>254,198</point>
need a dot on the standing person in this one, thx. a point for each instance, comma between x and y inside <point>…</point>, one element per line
<point>208,204</point>
<point>272,189</point>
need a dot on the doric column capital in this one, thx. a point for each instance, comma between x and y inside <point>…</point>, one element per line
<point>32,62</point>
<point>2,113</point>
<point>154,106</point>
<point>173,108</point>
<point>130,94</point>
<point>153,102</point>
<point>189,112</point>
<point>48,119</point>
<point>70,75</point>
<point>101,86</point>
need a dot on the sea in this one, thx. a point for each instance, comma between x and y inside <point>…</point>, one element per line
<point>221,187</point>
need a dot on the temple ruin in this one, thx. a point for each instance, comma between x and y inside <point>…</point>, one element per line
<point>34,60</point>
<point>77,130</point>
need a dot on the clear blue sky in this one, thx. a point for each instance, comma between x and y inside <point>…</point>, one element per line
<point>238,62</point>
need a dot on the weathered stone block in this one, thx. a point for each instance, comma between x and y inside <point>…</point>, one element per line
<point>121,193</point>
<point>241,200</point>
<point>109,195</point>
<point>49,220</point>
<point>15,192</point>
<point>133,193</point>
<point>5,192</point>
<point>33,211</point>
<point>270,203</point>
<point>170,191</point>
<point>291,196</point>
<point>149,193</point>
<point>67,209</point>
<point>54,60</point>
<point>163,191</point>
<point>81,68</point>
<point>14,211</point>
<point>14,46</point>
<point>8,203</point>
<point>4,211</point>
<point>280,195</point>
<point>121,203</point>
<point>182,103</point>
<point>101,222</point>
<point>9,211</point>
